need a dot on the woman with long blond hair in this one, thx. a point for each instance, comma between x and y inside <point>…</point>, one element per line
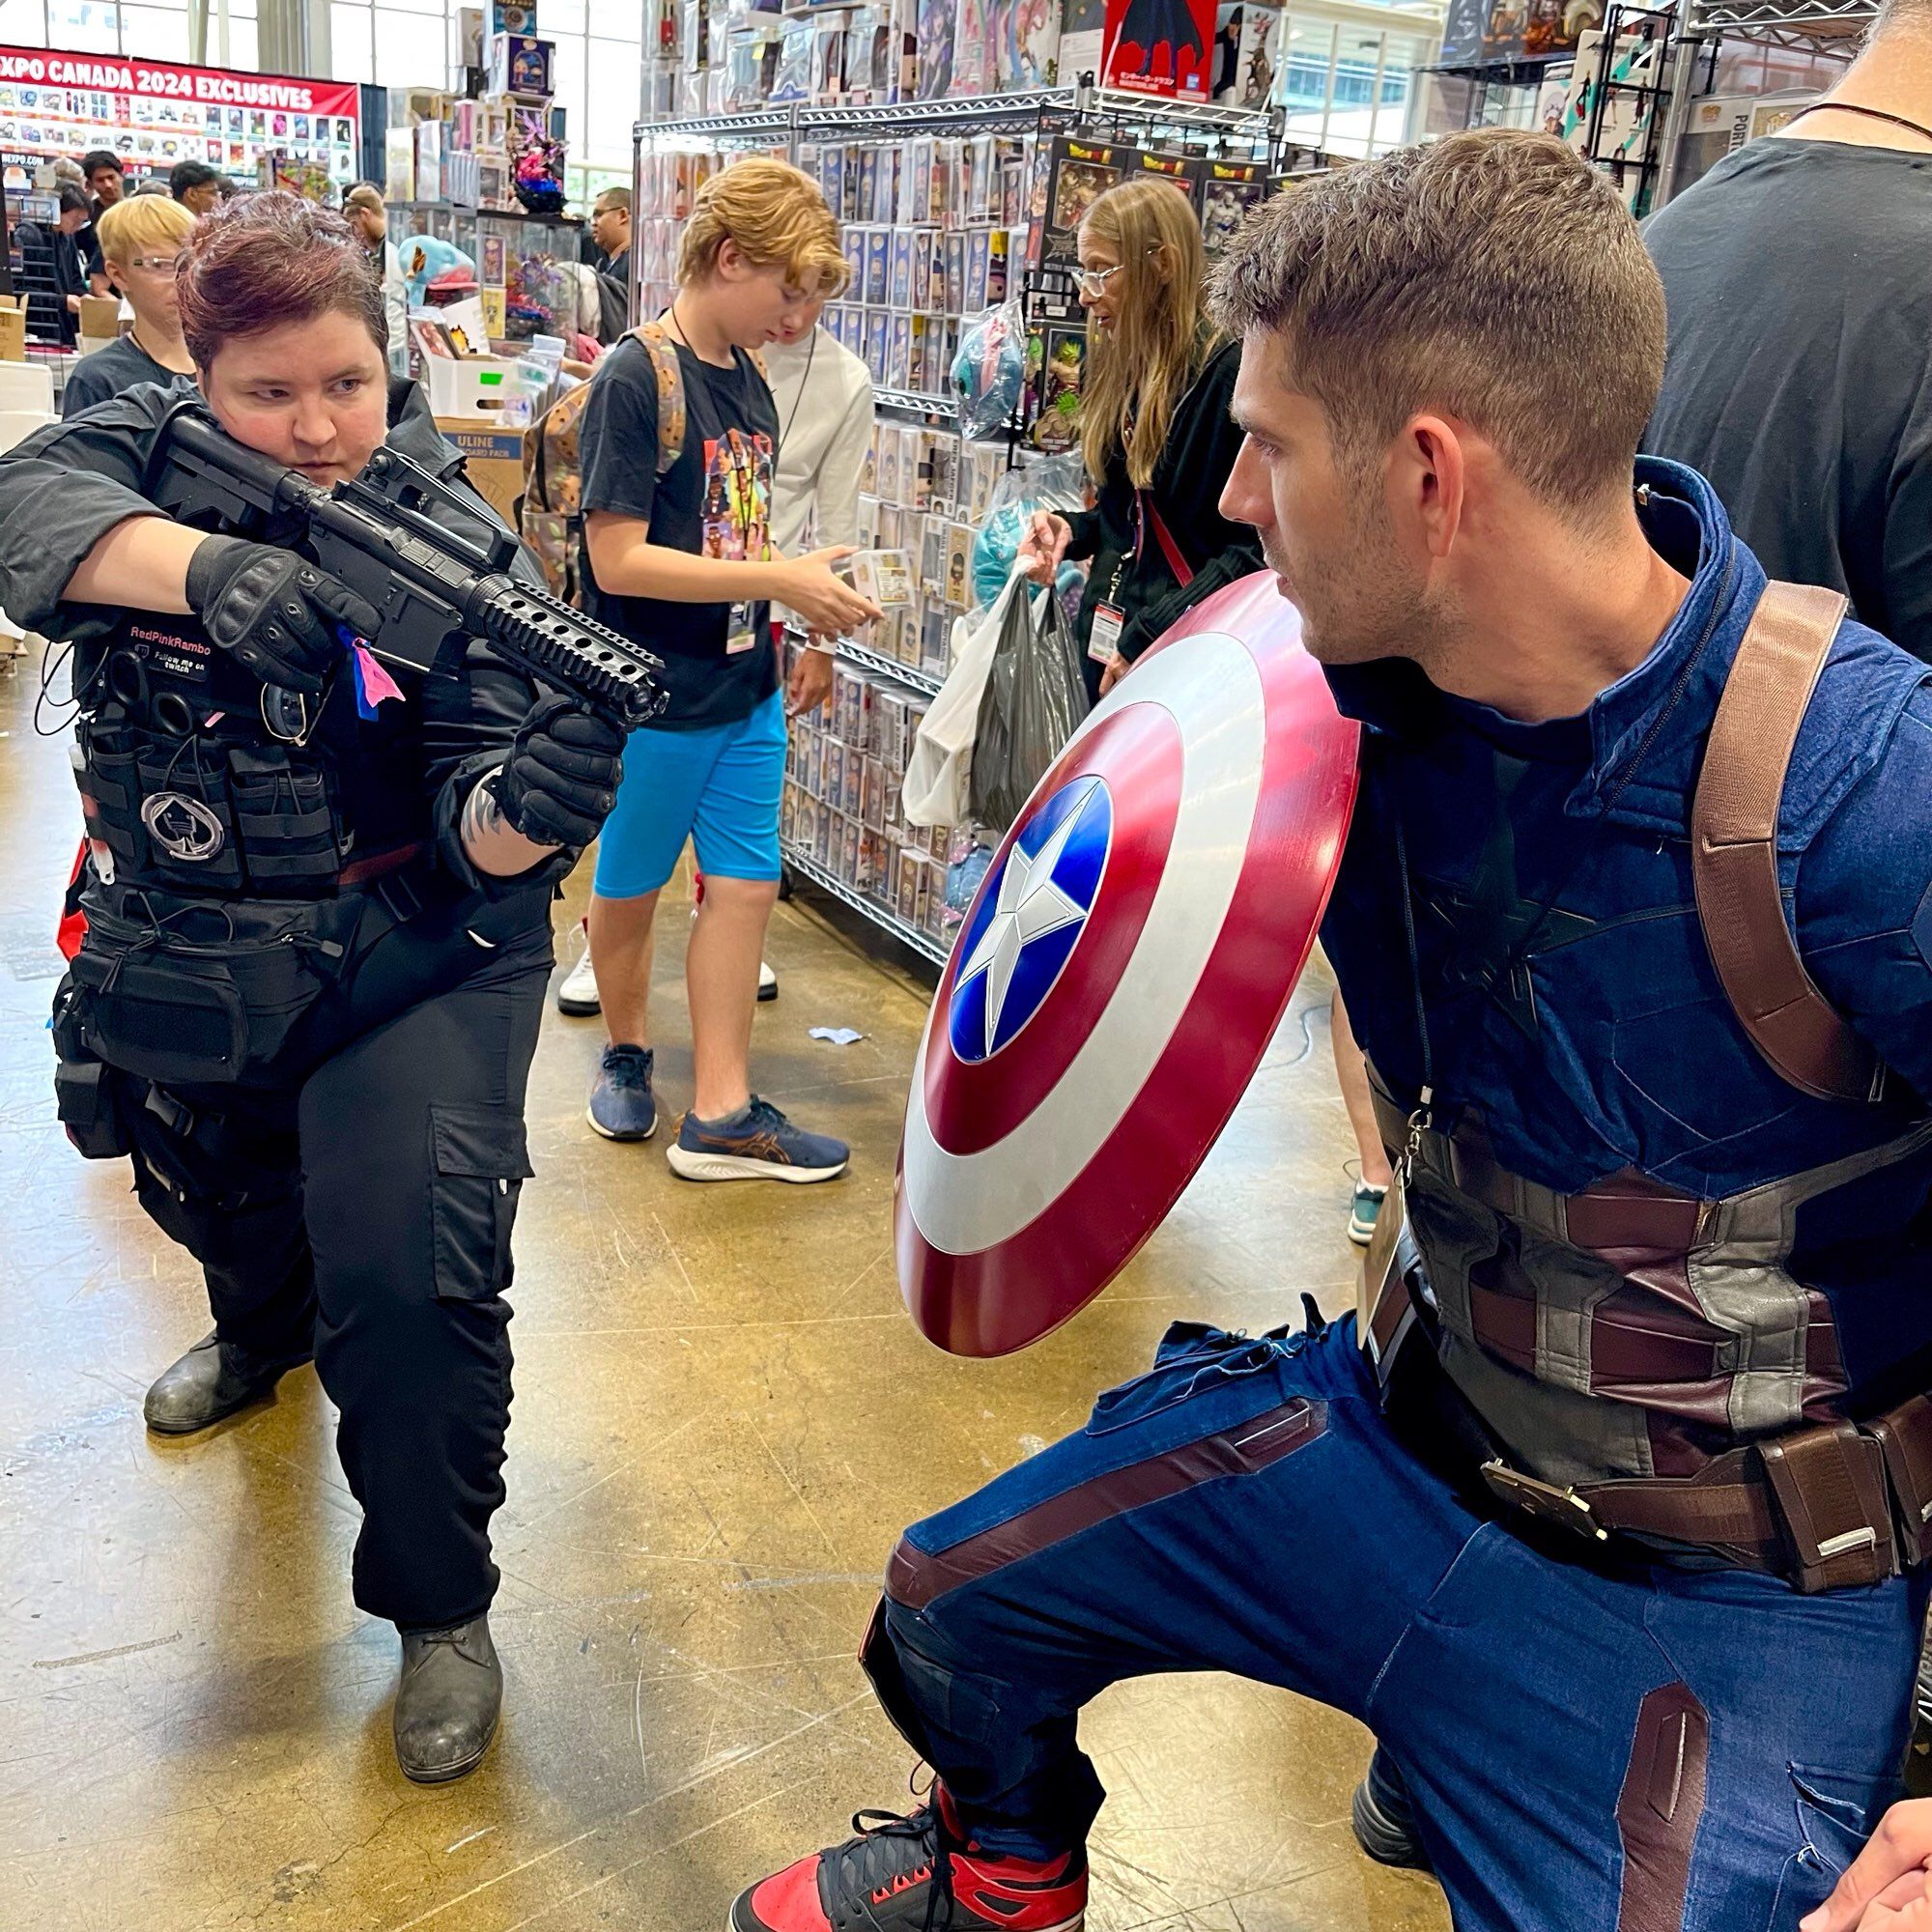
<point>1155,433</point>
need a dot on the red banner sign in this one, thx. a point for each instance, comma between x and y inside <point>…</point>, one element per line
<point>155,113</point>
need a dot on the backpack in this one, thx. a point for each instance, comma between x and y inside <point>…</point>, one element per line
<point>549,516</point>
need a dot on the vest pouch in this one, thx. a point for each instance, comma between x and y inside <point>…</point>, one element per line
<point>285,819</point>
<point>110,800</point>
<point>177,1007</point>
<point>189,814</point>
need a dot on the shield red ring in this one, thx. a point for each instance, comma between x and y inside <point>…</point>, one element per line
<point>1127,959</point>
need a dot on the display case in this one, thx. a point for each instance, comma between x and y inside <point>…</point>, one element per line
<point>527,261</point>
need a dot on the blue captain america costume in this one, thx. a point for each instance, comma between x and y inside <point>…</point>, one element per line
<point>1003,1615</point>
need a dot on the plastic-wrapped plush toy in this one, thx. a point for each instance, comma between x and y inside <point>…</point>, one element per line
<point>1057,484</point>
<point>989,371</point>
<point>425,260</point>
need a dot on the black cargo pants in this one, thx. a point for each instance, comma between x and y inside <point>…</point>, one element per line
<point>370,1208</point>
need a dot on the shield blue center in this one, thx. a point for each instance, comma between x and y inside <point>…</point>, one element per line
<point>1032,912</point>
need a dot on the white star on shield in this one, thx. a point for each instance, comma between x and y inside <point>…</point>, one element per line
<point>1029,907</point>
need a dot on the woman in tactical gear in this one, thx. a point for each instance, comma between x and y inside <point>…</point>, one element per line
<point>318,928</point>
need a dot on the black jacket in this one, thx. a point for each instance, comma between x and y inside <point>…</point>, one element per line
<point>66,486</point>
<point>1202,443</point>
<point>53,267</point>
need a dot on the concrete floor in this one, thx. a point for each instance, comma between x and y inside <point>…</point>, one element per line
<point>723,1418</point>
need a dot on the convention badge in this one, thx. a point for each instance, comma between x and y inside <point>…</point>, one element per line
<point>1378,1262</point>
<point>741,630</point>
<point>1103,642</point>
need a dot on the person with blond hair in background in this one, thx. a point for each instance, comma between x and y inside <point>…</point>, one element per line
<point>679,555</point>
<point>141,242</point>
<point>1154,433</point>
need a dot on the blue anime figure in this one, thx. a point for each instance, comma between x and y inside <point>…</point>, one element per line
<point>1610,1521</point>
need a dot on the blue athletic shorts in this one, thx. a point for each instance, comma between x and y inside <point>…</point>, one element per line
<point>719,788</point>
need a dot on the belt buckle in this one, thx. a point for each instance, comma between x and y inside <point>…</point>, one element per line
<point>1551,1503</point>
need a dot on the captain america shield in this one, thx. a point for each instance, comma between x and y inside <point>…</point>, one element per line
<point>1122,970</point>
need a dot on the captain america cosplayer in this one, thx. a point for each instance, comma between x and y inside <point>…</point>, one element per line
<point>1615,1540</point>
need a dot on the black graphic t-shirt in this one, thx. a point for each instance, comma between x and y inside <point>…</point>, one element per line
<point>715,500</point>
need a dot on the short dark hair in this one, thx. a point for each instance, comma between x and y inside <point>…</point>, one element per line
<point>186,175</point>
<point>97,159</point>
<point>1495,275</point>
<point>269,260</point>
<point>73,200</point>
<point>613,197</point>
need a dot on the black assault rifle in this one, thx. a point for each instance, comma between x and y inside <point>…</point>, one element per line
<point>381,534</point>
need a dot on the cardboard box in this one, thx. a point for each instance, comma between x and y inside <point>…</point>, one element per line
<point>493,461</point>
<point>99,322</point>
<point>520,64</point>
<point>12,329</point>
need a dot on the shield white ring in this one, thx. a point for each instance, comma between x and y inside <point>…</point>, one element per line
<point>966,1202</point>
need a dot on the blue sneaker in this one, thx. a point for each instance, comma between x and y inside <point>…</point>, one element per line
<point>758,1145</point>
<point>1364,1212</point>
<point>621,1106</point>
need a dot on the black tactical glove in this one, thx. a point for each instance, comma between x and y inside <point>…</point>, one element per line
<point>560,780</point>
<point>274,610</point>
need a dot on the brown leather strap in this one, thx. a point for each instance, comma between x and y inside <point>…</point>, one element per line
<point>1734,848</point>
<point>359,871</point>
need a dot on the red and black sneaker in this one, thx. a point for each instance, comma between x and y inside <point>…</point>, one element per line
<point>915,1874</point>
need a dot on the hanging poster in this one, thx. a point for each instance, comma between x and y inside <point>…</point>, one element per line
<point>1161,47</point>
<point>155,113</point>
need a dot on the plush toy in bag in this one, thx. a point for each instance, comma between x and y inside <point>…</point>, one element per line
<point>989,371</point>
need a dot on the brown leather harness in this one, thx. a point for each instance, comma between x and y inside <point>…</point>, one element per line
<point>1840,1503</point>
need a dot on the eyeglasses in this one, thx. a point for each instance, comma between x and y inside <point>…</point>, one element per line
<point>155,265</point>
<point>1093,282</point>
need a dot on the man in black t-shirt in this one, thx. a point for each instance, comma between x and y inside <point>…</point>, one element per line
<point>682,560</point>
<point>1797,376</point>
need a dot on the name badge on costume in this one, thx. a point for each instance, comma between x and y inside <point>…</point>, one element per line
<point>741,629</point>
<point>1104,641</point>
<point>1383,1311</point>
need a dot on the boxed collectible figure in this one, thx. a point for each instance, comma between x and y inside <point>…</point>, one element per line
<point>928,274</point>
<point>932,557</point>
<point>972,49</point>
<point>959,566</point>
<point>1228,191</point>
<point>1029,47</point>
<point>979,255</point>
<point>899,294</point>
<point>887,441</point>
<point>1159,47</point>
<point>1078,173</point>
<point>879,331</point>
<point>1245,41</point>
<point>879,266</point>
<point>520,64</point>
<point>1182,170</point>
<point>399,164</point>
<point>935,48</point>
<point>898,354</point>
<point>1063,362</point>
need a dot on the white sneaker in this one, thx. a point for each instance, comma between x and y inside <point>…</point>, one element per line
<point>577,995</point>
<point>768,982</point>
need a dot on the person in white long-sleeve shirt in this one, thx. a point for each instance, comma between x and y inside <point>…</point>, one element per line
<point>824,395</point>
<point>367,215</point>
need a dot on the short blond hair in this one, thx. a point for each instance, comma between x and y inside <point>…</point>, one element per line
<point>775,215</point>
<point>1495,276</point>
<point>143,221</point>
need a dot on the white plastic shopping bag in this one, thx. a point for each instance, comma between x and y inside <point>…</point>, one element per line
<point>938,775</point>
